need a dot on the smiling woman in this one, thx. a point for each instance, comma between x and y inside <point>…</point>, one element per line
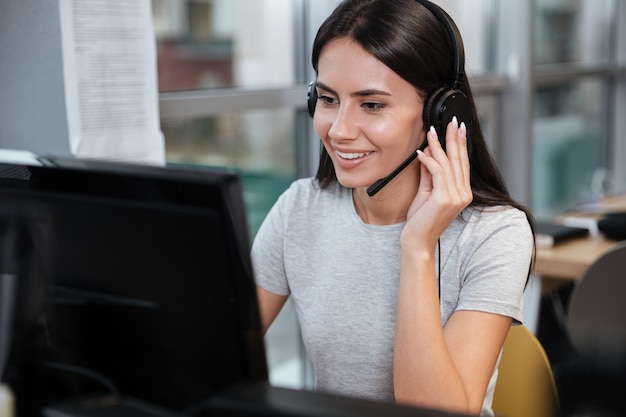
<point>369,122</point>
<point>406,295</point>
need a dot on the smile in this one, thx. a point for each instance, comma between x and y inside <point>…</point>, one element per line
<point>351,155</point>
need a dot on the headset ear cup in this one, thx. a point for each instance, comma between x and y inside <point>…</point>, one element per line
<point>441,106</point>
<point>311,98</point>
<point>430,113</point>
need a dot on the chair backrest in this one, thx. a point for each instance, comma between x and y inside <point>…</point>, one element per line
<point>525,385</point>
<point>596,317</point>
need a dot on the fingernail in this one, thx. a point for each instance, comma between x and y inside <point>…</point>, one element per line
<point>433,131</point>
<point>455,121</point>
<point>463,128</point>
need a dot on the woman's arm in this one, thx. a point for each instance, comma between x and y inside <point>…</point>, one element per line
<point>446,368</point>
<point>270,305</point>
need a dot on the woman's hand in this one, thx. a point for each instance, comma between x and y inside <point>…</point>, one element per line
<point>444,189</point>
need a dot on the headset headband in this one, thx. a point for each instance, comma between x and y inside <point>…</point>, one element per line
<point>455,37</point>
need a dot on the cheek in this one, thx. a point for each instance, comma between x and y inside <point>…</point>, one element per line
<point>397,134</point>
<point>415,132</point>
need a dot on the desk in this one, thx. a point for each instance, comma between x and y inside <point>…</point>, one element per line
<point>568,260</point>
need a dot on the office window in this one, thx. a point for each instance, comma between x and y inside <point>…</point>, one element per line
<point>570,134</point>
<point>473,20</point>
<point>223,43</point>
<point>573,51</point>
<point>573,31</point>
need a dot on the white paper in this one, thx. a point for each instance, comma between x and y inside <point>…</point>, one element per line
<point>19,157</point>
<point>109,62</point>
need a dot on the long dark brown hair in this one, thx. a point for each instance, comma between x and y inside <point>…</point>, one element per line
<point>409,39</point>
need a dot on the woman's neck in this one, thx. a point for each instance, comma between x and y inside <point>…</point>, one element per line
<point>389,206</point>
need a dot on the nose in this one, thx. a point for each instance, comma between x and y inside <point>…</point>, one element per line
<point>344,126</point>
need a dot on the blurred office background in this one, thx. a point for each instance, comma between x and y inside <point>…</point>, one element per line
<point>549,77</point>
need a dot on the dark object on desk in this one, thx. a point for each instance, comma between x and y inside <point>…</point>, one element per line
<point>613,226</point>
<point>246,400</point>
<point>261,399</point>
<point>107,405</point>
<point>548,234</point>
<point>133,280</point>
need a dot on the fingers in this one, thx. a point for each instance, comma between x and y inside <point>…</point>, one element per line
<point>456,146</point>
<point>449,172</point>
<point>464,158</point>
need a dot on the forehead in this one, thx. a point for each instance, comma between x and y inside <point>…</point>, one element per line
<point>344,64</point>
<point>345,52</point>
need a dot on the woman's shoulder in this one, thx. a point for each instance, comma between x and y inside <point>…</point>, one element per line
<point>503,220</point>
<point>502,213</point>
<point>307,185</point>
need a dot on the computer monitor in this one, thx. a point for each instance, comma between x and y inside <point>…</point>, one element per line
<point>125,279</point>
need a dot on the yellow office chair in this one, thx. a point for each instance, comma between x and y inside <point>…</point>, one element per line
<point>525,385</point>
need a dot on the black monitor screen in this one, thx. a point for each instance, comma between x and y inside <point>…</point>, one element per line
<point>129,279</point>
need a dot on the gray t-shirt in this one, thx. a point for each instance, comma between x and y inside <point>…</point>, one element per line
<point>343,277</point>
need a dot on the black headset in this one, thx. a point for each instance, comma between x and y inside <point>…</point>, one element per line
<point>445,102</point>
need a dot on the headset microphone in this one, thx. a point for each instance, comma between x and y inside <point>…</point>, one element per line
<point>376,187</point>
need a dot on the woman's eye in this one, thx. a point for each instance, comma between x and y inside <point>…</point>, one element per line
<point>373,106</point>
<point>326,99</point>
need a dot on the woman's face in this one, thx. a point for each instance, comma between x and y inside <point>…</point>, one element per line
<point>368,117</point>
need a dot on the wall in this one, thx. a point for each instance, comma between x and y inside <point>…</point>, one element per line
<point>32,103</point>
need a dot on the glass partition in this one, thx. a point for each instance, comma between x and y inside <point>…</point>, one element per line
<point>224,43</point>
<point>570,134</point>
<point>573,31</point>
<point>574,51</point>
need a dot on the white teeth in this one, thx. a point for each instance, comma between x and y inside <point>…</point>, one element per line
<point>351,155</point>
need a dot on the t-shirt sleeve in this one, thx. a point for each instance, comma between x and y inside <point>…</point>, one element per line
<point>498,267</point>
<point>268,251</point>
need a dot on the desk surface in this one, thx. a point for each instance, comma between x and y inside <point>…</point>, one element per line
<point>568,260</point>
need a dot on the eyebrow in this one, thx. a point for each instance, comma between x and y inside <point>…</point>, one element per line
<point>361,93</point>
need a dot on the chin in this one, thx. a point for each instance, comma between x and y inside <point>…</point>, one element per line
<point>349,182</point>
